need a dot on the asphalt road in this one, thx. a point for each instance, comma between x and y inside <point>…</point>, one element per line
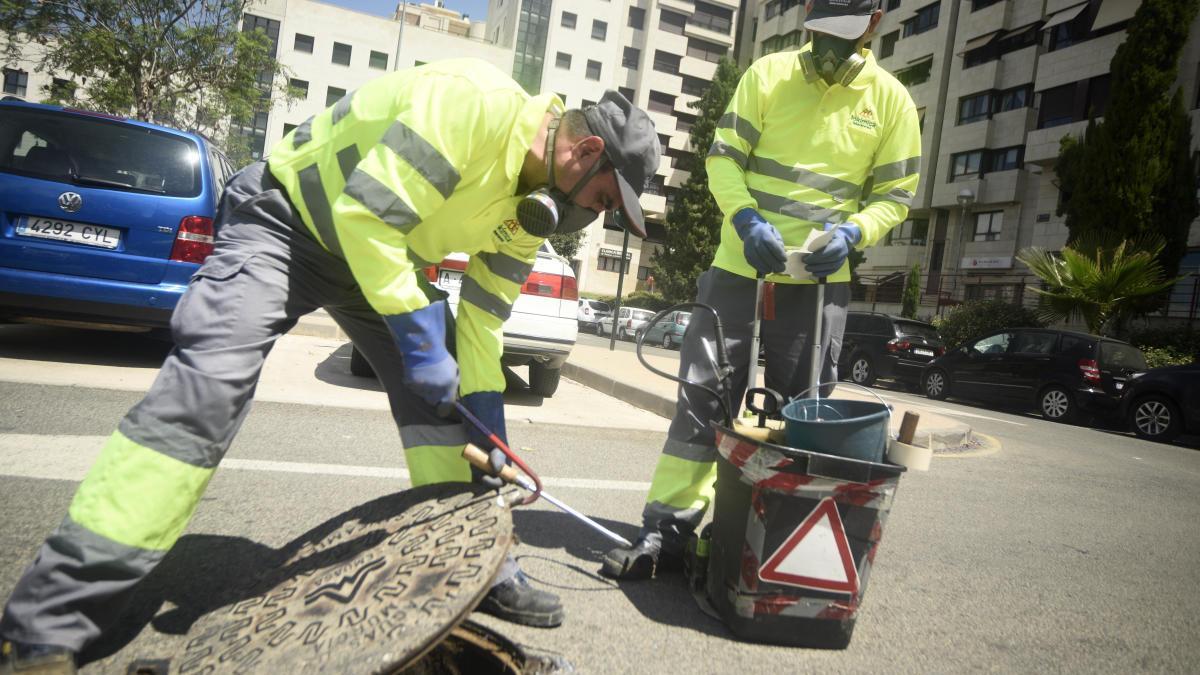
<point>1069,550</point>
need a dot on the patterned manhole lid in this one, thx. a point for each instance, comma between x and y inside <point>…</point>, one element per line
<point>375,593</point>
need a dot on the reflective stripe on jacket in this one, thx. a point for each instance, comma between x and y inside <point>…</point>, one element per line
<point>801,153</point>
<point>413,166</point>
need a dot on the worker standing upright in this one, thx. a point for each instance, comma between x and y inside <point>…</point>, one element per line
<point>346,213</point>
<point>814,139</point>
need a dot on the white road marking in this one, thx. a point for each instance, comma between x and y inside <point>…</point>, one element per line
<point>948,411</point>
<point>61,457</point>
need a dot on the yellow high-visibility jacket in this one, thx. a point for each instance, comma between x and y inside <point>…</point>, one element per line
<point>801,153</point>
<point>413,166</point>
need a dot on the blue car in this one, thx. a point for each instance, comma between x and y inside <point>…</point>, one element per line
<point>102,219</point>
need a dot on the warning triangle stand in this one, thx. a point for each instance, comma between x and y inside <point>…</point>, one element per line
<point>816,555</point>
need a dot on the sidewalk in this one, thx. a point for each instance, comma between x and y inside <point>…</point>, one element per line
<point>619,374</point>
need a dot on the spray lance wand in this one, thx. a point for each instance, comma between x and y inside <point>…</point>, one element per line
<point>533,483</point>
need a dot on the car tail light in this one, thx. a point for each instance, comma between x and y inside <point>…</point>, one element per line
<point>1090,371</point>
<point>452,264</point>
<point>898,345</point>
<point>551,286</point>
<point>194,241</point>
<point>431,274</point>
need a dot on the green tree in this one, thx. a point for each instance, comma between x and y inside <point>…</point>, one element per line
<point>566,245</point>
<point>912,293</point>
<point>182,63</point>
<point>976,318</point>
<point>1100,278</point>
<point>1130,174</point>
<point>694,221</point>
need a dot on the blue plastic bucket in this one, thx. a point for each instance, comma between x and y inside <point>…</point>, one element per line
<point>842,427</point>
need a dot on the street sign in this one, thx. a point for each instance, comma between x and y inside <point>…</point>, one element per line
<point>816,555</point>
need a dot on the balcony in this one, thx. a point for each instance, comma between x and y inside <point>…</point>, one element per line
<point>704,31</point>
<point>677,177</point>
<point>694,67</point>
<point>682,104</point>
<point>889,258</point>
<point>685,7</point>
<point>1041,145</point>
<point>654,205</point>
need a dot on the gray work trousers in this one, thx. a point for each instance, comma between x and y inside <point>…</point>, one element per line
<point>682,487</point>
<point>265,273</point>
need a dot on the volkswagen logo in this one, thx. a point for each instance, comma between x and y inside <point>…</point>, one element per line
<point>70,202</point>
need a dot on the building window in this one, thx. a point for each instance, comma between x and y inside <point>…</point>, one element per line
<point>287,128</point>
<point>599,30</point>
<point>1012,99</point>
<point>629,94</point>
<point>62,90</point>
<point>965,164</point>
<point>666,63</point>
<point>772,9</point>
<point>303,43</point>
<point>987,225</point>
<point>694,86</point>
<point>703,49</point>
<point>530,52</point>
<point>893,4</point>
<point>1098,91</point>
<point>637,18</point>
<point>593,70</point>
<point>779,43</point>
<point>671,22</point>
<point>607,263</point>
<point>15,82</point>
<point>379,60</point>
<point>643,272</point>
<point>660,102</point>
<point>1006,159</point>
<point>568,20</point>
<point>631,57</point>
<point>1057,106</point>
<point>975,108</point>
<point>977,5</point>
<point>712,17</point>
<point>562,97</point>
<point>586,104</point>
<point>562,60</point>
<point>301,87</point>
<point>333,95</point>
<point>917,74</point>
<point>926,19</point>
<point>887,45</point>
<point>341,54</point>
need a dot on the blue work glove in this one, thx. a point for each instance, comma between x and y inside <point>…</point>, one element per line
<point>429,370</point>
<point>829,259</point>
<point>487,407</point>
<point>761,242</point>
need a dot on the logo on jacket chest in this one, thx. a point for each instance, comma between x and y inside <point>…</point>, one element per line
<point>507,230</point>
<point>864,118</point>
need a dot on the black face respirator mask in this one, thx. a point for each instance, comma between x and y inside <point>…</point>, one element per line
<point>548,210</point>
<point>833,59</point>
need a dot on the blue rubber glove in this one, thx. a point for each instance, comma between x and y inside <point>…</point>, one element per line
<point>487,407</point>
<point>429,370</point>
<point>761,242</point>
<point>832,256</point>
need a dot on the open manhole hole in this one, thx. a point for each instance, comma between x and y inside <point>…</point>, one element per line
<point>383,588</point>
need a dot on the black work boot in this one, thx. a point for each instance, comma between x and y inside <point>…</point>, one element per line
<point>516,601</point>
<point>20,658</point>
<point>649,555</point>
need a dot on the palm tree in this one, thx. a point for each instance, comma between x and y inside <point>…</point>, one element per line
<point>1098,278</point>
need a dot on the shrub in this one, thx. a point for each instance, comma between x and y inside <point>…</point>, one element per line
<point>976,318</point>
<point>1167,346</point>
<point>646,300</point>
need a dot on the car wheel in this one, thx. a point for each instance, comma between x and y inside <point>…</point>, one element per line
<point>359,366</point>
<point>1056,404</point>
<point>599,329</point>
<point>1156,418</point>
<point>666,343</point>
<point>861,371</point>
<point>621,335</point>
<point>543,380</point>
<point>936,384</point>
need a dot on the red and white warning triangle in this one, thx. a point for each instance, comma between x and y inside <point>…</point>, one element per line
<point>816,555</point>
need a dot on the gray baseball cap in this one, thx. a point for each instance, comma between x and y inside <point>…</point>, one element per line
<point>847,19</point>
<point>631,146</point>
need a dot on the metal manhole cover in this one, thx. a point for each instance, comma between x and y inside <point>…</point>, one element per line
<point>367,597</point>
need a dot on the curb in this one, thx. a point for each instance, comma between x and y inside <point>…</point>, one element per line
<point>319,324</point>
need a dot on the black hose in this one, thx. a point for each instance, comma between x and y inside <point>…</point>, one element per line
<point>724,370</point>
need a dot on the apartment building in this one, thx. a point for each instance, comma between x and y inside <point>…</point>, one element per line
<point>998,83</point>
<point>660,54</point>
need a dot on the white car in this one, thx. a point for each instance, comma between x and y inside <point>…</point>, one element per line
<point>590,313</point>
<point>630,322</point>
<point>542,328</point>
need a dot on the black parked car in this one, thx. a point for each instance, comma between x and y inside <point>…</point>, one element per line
<point>1163,403</point>
<point>881,345</point>
<point>1059,373</point>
